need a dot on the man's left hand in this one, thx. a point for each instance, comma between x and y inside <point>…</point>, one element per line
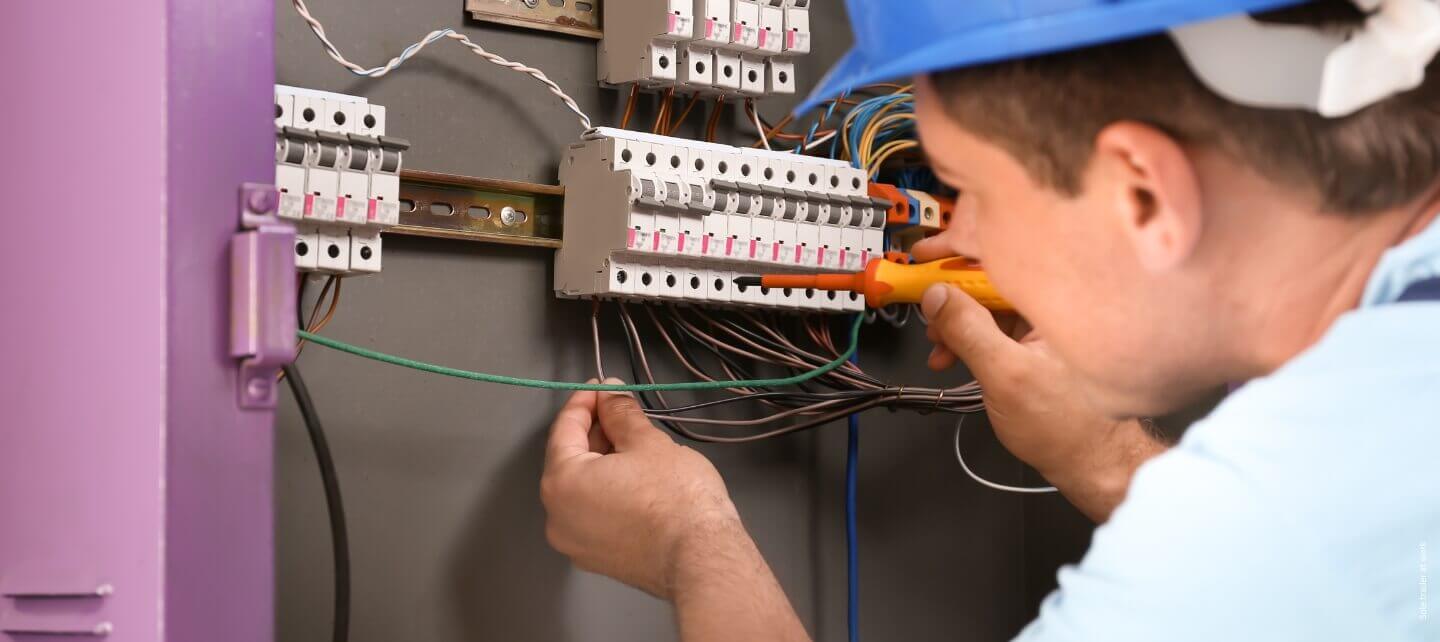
<point>626,501</point>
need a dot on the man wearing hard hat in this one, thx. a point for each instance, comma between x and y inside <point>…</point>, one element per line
<point>1177,195</point>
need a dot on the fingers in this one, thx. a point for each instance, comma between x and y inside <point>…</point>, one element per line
<point>624,421</point>
<point>941,358</point>
<point>967,331</point>
<point>570,434</point>
<point>932,249</point>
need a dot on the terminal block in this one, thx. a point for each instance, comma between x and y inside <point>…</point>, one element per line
<point>717,47</point>
<point>338,176</point>
<point>913,215</point>
<point>658,218</point>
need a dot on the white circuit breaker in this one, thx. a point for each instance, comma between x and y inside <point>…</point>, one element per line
<point>338,176</point>
<point>677,219</point>
<point>739,47</point>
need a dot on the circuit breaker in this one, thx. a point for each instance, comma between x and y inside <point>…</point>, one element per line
<point>339,178</point>
<point>725,47</point>
<point>661,218</point>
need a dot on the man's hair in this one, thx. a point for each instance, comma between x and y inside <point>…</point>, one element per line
<point>1047,111</point>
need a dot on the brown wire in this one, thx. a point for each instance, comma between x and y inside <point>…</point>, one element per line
<point>334,303</point>
<point>629,106</point>
<point>684,113</point>
<point>311,326</point>
<point>714,119</point>
<point>664,108</point>
<point>629,324</point>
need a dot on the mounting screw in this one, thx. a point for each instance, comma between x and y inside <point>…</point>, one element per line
<point>258,388</point>
<point>512,216</point>
<point>262,201</point>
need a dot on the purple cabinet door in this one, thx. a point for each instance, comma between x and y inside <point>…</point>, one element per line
<point>135,494</point>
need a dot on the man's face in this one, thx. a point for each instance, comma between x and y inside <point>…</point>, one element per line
<point>1067,266</point>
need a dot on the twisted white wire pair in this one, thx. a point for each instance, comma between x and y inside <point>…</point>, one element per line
<point>409,52</point>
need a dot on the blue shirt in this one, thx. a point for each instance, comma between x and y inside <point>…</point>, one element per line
<point>1306,507</point>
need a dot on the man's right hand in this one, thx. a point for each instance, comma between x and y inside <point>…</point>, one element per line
<point>1036,406</point>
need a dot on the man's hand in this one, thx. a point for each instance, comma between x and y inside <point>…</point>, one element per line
<point>1036,406</point>
<point>626,501</point>
<point>623,499</point>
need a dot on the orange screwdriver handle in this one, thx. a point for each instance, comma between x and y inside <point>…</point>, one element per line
<point>887,282</point>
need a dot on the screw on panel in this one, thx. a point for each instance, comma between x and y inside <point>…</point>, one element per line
<point>258,388</point>
<point>261,201</point>
<point>512,216</point>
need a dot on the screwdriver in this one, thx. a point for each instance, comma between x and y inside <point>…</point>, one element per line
<point>885,282</point>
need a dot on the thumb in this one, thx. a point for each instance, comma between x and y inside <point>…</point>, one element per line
<point>624,421</point>
<point>968,330</point>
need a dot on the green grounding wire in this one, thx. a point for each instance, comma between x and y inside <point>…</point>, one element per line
<point>601,387</point>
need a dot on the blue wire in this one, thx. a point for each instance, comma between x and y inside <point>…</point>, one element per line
<point>815,127</point>
<point>852,549</point>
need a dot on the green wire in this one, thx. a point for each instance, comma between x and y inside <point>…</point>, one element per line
<point>563,385</point>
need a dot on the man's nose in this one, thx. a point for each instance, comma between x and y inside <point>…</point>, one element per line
<point>960,235</point>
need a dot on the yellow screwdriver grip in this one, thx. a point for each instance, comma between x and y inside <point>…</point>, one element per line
<point>887,282</point>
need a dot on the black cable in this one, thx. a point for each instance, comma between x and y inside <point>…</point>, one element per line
<point>642,397</point>
<point>339,537</point>
<point>690,337</point>
<point>300,302</point>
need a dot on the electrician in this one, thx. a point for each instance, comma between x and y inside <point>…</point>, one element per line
<point>1176,195</point>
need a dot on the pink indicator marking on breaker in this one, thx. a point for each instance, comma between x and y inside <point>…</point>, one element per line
<point>309,205</point>
<point>790,40</point>
<point>799,254</point>
<point>630,238</point>
<point>340,207</point>
<point>820,255</point>
<point>705,244</point>
<point>775,252</point>
<point>655,246</point>
<point>762,37</point>
<point>739,33</point>
<point>372,213</point>
<point>842,258</point>
<point>709,28</point>
<point>865,256</point>
<point>730,246</point>
<point>670,23</point>
<point>680,245</point>
<point>752,248</point>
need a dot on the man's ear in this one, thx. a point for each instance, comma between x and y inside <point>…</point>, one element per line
<point>1147,180</point>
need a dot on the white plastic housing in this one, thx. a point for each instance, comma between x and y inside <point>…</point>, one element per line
<point>690,44</point>
<point>329,173</point>
<point>675,219</point>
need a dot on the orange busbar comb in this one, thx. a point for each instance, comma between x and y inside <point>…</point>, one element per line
<point>885,282</point>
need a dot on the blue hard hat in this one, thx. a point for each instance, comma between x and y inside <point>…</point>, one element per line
<point>898,38</point>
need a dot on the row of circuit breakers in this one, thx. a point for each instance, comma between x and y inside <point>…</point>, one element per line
<point>339,178</point>
<point>646,216</point>
<point>738,47</point>
<point>678,219</point>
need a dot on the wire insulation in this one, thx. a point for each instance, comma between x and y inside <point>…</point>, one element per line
<point>562,385</point>
<point>985,482</point>
<point>335,507</point>
<point>433,36</point>
<point>852,541</point>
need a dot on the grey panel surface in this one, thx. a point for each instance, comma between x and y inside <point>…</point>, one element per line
<point>441,475</point>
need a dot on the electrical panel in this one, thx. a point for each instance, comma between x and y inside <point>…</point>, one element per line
<point>661,218</point>
<point>338,174</point>
<point>740,47</point>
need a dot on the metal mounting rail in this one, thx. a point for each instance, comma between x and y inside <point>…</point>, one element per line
<point>480,209</point>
